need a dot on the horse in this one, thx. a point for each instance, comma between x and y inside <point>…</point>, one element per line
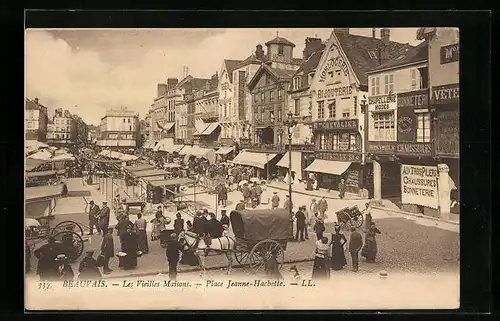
<point>192,242</point>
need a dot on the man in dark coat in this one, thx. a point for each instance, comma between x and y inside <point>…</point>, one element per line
<point>199,224</point>
<point>222,194</point>
<point>300,218</point>
<point>107,249</point>
<point>178,223</point>
<point>130,247</point>
<point>46,255</point>
<point>104,217</point>
<point>94,213</point>
<point>214,227</point>
<point>88,267</point>
<point>224,219</point>
<point>173,253</point>
<point>355,245</point>
<point>246,194</point>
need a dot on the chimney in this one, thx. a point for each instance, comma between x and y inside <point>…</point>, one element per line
<point>342,30</point>
<point>312,45</point>
<point>385,35</point>
<point>259,52</point>
<point>162,89</point>
<point>36,101</point>
<point>185,71</point>
<point>373,33</point>
<point>172,82</point>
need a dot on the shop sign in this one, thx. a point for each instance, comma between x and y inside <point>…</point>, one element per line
<point>340,157</point>
<point>419,185</point>
<point>334,92</point>
<point>334,62</point>
<point>448,135</point>
<point>417,99</point>
<point>401,148</point>
<point>406,124</point>
<point>301,94</point>
<point>445,94</point>
<point>450,53</point>
<point>387,102</point>
<point>336,124</point>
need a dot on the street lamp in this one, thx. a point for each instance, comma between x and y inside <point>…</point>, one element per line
<point>267,167</point>
<point>290,123</point>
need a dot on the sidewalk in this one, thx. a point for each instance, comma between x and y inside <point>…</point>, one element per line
<point>299,188</point>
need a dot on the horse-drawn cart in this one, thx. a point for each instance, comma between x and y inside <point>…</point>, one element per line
<point>260,234</point>
<point>350,217</point>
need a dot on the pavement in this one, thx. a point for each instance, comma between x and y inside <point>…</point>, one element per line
<point>407,243</point>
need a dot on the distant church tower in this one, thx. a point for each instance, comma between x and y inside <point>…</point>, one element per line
<point>280,49</point>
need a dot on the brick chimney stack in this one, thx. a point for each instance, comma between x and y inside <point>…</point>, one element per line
<point>259,52</point>
<point>161,89</point>
<point>36,101</point>
<point>312,45</point>
<point>385,35</point>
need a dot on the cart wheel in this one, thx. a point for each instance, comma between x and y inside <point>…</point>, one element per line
<point>77,228</point>
<point>357,221</point>
<point>262,251</point>
<point>72,244</point>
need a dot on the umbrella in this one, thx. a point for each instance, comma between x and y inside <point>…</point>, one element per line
<point>31,222</point>
<point>254,179</point>
<point>243,182</point>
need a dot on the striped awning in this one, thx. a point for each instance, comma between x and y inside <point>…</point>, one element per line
<point>328,167</point>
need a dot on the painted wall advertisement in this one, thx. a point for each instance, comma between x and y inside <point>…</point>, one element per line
<point>419,185</point>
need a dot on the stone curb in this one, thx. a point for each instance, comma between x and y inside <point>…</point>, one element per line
<point>415,215</point>
<point>192,269</point>
<point>315,195</point>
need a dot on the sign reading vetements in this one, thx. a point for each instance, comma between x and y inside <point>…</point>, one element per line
<point>445,94</point>
<point>419,185</point>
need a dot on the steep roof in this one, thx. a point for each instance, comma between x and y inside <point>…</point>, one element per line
<point>252,59</point>
<point>231,65</point>
<point>416,54</point>
<point>280,41</point>
<point>309,65</point>
<point>281,74</point>
<point>30,105</point>
<point>357,50</point>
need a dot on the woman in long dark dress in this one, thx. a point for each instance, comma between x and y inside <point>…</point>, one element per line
<point>129,246</point>
<point>338,260</point>
<point>370,249</point>
<point>321,269</point>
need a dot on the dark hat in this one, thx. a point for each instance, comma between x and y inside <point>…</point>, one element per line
<point>61,257</point>
<point>110,228</point>
<point>275,192</point>
<point>178,214</point>
<point>223,211</point>
<point>104,202</point>
<point>91,202</point>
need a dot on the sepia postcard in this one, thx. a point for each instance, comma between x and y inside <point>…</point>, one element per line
<point>242,169</point>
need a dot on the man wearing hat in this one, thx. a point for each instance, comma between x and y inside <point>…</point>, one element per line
<point>199,224</point>
<point>300,218</point>
<point>355,245</point>
<point>224,219</point>
<point>107,249</point>
<point>104,217</point>
<point>94,212</point>
<point>275,200</point>
<point>65,270</point>
<point>173,253</point>
<point>88,267</point>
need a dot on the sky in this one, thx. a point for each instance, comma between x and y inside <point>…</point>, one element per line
<point>88,71</point>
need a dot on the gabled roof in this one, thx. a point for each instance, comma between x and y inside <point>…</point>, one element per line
<point>231,65</point>
<point>280,74</point>
<point>30,105</point>
<point>307,67</point>
<point>357,48</point>
<point>421,32</point>
<point>416,54</point>
<point>280,41</point>
<point>252,59</point>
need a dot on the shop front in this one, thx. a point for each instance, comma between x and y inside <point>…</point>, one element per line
<point>337,154</point>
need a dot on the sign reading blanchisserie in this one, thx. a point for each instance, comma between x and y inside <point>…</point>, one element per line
<point>418,98</point>
<point>447,94</point>
<point>450,53</point>
<point>402,148</point>
<point>336,124</point>
<point>387,102</point>
<point>336,156</point>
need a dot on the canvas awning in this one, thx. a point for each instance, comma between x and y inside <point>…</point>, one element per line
<point>296,163</point>
<point>186,150</point>
<point>31,145</point>
<point>41,155</point>
<point>171,165</point>
<point>328,167</point>
<point>208,129</point>
<point>140,167</point>
<point>200,151</point>
<point>63,157</point>
<point>40,192</point>
<point>171,182</point>
<point>31,163</point>
<point>177,148</point>
<point>258,160</point>
<point>150,144</point>
<point>45,173</point>
<point>150,172</point>
<point>168,126</point>
<point>224,150</point>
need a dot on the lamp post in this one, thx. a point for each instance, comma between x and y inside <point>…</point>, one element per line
<point>290,123</point>
<point>267,167</point>
<point>364,110</point>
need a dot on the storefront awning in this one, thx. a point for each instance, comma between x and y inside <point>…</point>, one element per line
<point>186,150</point>
<point>31,163</point>
<point>328,167</point>
<point>258,160</point>
<point>296,163</point>
<point>208,129</point>
<point>168,126</point>
<point>224,150</point>
<point>200,152</point>
<point>177,148</point>
<point>150,144</point>
<point>45,173</point>
<point>39,192</point>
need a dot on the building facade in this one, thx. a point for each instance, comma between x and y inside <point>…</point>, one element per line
<point>63,129</point>
<point>119,129</point>
<point>206,115</point>
<point>228,113</point>
<point>337,89</point>
<point>81,129</point>
<point>36,120</point>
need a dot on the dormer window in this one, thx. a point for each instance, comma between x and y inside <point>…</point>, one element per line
<point>296,83</point>
<point>280,49</point>
<point>311,76</point>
